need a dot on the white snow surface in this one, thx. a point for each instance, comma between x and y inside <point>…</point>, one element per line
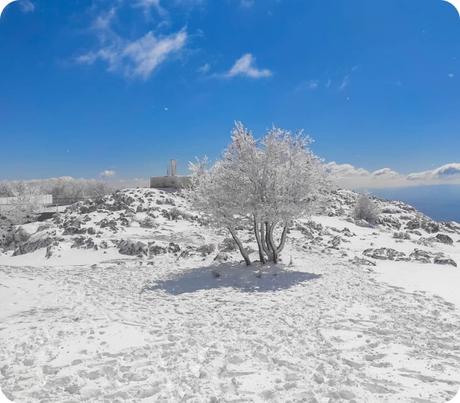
<point>178,325</point>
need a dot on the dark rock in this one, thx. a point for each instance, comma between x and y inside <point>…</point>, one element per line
<point>52,249</point>
<point>221,257</point>
<point>430,226</point>
<point>155,250</point>
<point>401,235</point>
<point>148,222</point>
<point>421,256</point>
<point>84,243</point>
<point>444,260</point>
<point>335,242</point>
<point>173,248</point>
<point>227,245</point>
<point>73,227</point>
<point>206,249</point>
<point>385,254</point>
<point>413,224</point>
<point>446,239</point>
<point>362,262</point>
<point>37,241</point>
<point>132,248</point>
<point>346,231</point>
<point>389,221</point>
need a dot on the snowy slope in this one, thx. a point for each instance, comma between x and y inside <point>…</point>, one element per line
<point>175,317</point>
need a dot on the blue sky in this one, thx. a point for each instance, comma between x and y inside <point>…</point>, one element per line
<point>93,85</point>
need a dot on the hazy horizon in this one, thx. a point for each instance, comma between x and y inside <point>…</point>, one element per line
<point>440,202</point>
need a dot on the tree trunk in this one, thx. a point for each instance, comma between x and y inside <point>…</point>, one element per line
<point>263,240</point>
<point>240,247</point>
<point>271,244</point>
<point>283,239</point>
<point>267,242</point>
<point>259,242</point>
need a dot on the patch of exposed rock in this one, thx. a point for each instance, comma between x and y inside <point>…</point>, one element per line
<point>418,255</point>
<point>385,254</point>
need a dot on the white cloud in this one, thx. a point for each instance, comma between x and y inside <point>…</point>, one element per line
<point>345,170</point>
<point>348,176</point>
<point>448,172</point>
<point>138,58</point>
<point>103,21</point>
<point>27,6</point>
<point>247,3</point>
<point>204,69</point>
<point>148,4</point>
<point>245,66</point>
<point>108,173</point>
<point>309,85</point>
<point>345,82</point>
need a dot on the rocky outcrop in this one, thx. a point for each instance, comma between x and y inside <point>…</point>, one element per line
<point>385,254</point>
<point>421,256</point>
<point>445,239</point>
<point>206,249</point>
<point>424,256</point>
<point>132,248</point>
<point>418,255</point>
<point>401,235</point>
<point>444,260</point>
<point>37,241</point>
<point>428,225</point>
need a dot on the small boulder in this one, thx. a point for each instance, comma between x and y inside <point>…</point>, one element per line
<point>445,239</point>
<point>421,256</point>
<point>401,235</point>
<point>444,260</point>
<point>430,226</point>
<point>385,254</point>
<point>132,248</point>
<point>206,249</point>
<point>413,224</point>
<point>221,257</point>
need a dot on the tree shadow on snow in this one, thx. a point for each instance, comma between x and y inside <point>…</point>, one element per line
<point>243,278</point>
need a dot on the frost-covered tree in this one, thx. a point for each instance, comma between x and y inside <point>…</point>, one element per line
<point>24,199</point>
<point>266,183</point>
<point>216,193</point>
<point>365,209</point>
<point>5,190</point>
<point>70,190</point>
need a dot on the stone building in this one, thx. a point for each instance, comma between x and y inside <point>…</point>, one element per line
<point>171,180</point>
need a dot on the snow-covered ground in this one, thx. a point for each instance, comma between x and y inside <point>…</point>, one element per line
<point>176,317</point>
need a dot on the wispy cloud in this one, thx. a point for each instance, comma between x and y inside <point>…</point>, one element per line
<point>349,176</point>
<point>245,66</point>
<point>27,6</point>
<point>345,82</point>
<point>137,58</point>
<point>204,69</point>
<point>336,82</point>
<point>247,3</point>
<point>148,4</point>
<point>309,85</point>
<point>108,173</point>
